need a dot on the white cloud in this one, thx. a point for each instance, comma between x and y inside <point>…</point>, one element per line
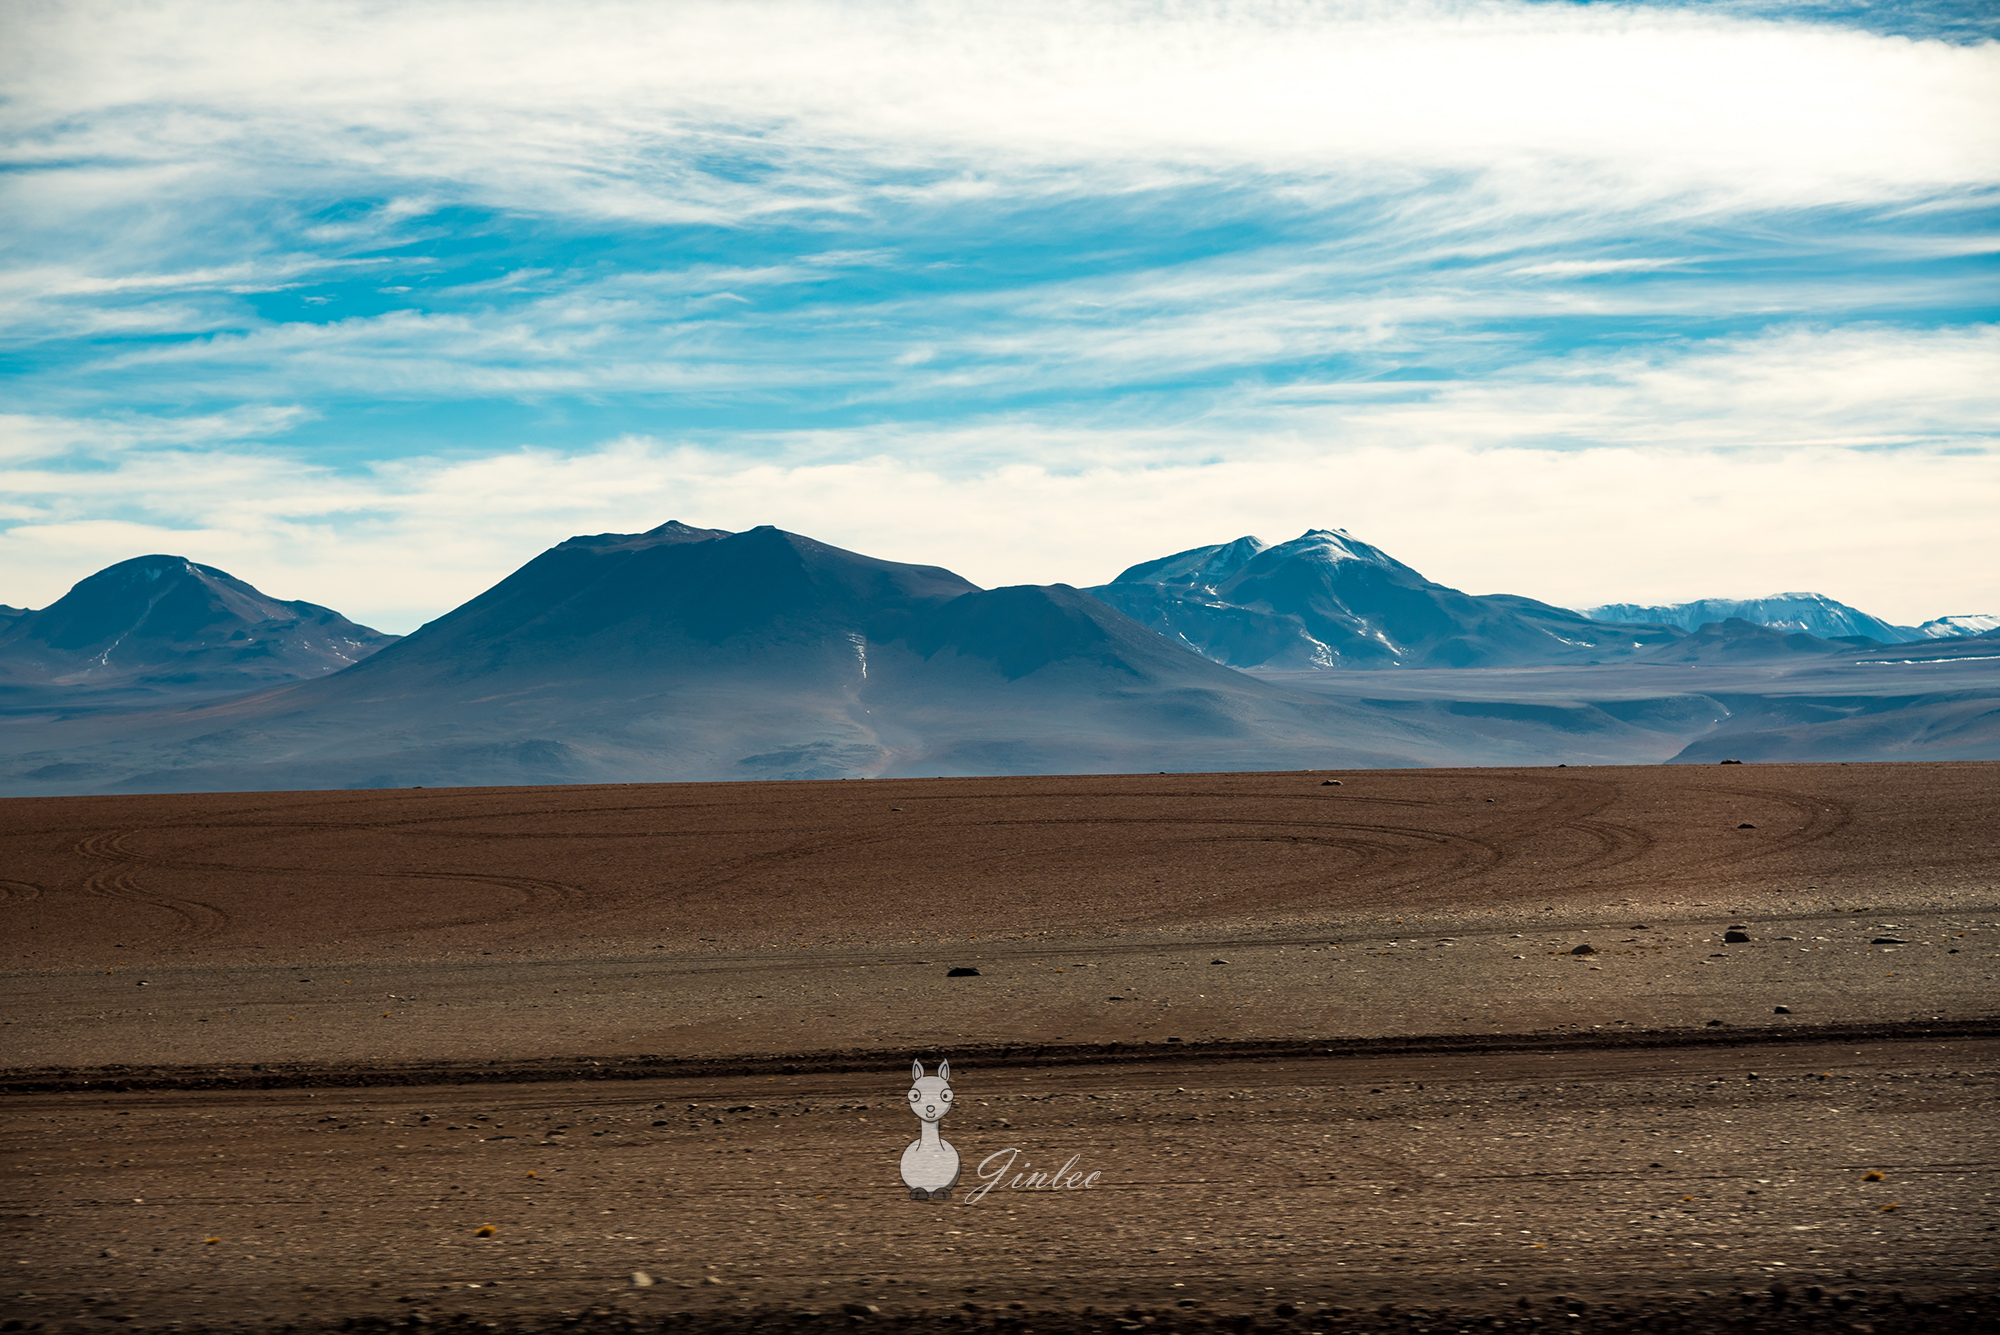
<point>1583,268</point>
<point>1854,386</point>
<point>1473,169</point>
<point>44,437</point>
<point>1556,484</point>
<point>608,108</point>
<point>1568,527</point>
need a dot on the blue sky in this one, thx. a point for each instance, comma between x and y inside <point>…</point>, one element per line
<point>368,304</point>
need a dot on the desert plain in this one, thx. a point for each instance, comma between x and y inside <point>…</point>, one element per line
<point>1309,1050</point>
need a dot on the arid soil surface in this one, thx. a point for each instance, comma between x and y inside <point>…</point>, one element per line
<point>1333,1048</point>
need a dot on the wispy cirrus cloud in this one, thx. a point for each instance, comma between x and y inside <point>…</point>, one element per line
<point>619,106</point>
<point>335,277</point>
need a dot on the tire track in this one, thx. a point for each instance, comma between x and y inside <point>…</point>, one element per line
<point>1622,843</point>
<point>194,920</point>
<point>536,895</point>
<point>1818,818</point>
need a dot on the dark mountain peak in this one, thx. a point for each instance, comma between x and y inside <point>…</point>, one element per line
<point>157,600</point>
<point>670,532</point>
<point>166,620</point>
<point>763,597</point>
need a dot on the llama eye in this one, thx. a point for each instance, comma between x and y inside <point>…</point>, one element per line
<point>915,1095</point>
<point>946,1096</point>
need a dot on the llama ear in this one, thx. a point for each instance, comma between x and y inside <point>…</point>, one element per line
<point>916,1070</point>
<point>944,1072</point>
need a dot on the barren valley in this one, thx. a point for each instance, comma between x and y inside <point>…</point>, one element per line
<point>1347,1050</point>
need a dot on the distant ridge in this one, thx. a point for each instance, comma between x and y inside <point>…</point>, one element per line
<point>1955,627</point>
<point>1737,640</point>
<point>1327,600</point>
<point>1812,613</point>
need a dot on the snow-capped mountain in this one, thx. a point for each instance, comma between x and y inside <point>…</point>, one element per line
<point>1951,628</point>
<point>1327,600</point>
<point>165,623</point>
<point>1812,613</point>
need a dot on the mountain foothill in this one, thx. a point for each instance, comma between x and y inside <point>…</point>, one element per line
<point>687,653</point>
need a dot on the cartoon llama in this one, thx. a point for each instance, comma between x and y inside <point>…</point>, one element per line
<point>930,1164</point>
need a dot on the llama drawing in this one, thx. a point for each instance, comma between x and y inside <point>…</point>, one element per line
<point>930,1164</point>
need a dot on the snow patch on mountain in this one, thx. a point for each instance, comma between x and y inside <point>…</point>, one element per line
<point>1954,627</point>
<point>1806,613</point>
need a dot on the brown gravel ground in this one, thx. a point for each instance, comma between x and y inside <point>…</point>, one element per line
<point>275,1060</point>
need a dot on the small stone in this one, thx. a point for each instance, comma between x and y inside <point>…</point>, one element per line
<point>711,1279</point>
<point>1888,941</point>
<point>1218,961</point>
<point>1715,1024</point>
<point>961,973</point>
<point>860,1309</point>
<point>641,1280</point>
<point>1735,938</point>
<point>1286,1309</point>
<point>1746,825</point>
<point>1329,783</point>
<point>1584,950</point>
<point>1781,1010</point>
<point>1728,762</point>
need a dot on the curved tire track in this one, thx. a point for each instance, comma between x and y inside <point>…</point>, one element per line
<point>536,895</point>
<point>14,893</point>
<point>194,920</point>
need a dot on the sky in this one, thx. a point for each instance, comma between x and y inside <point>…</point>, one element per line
<point>369,303</point>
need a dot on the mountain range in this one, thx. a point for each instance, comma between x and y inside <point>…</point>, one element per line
<point>693,653</point>
<point>697,653</point>
<point>1810,613</point>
